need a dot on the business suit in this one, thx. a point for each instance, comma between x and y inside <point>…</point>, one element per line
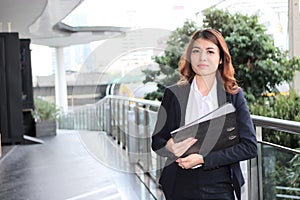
<point>171,115</point>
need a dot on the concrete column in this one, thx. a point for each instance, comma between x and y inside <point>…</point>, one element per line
<point>61,96</point>
<point>294,36</point>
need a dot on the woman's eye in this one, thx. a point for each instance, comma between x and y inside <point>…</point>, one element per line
<point>195,51</point>
<point>211,52</point>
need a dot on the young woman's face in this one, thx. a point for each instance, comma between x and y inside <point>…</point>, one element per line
<point>205,57</point>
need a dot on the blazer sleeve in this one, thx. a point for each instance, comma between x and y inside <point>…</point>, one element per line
<point>167,120</point>
<point>246,149</point>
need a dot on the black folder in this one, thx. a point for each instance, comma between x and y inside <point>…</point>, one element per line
<point>214,131</point>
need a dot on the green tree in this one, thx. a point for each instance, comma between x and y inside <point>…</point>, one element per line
<point>282,107</point>
<point>259,65</point>
<point>167,73</point>
<point>45,110</point>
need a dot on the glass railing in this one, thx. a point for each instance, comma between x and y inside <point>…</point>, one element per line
<point>274,174</point>
<point>280,173</point>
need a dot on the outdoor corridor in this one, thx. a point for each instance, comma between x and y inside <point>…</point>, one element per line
<point>68,166</point>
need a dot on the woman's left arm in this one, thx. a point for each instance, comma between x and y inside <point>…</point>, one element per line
<point>246,149</point>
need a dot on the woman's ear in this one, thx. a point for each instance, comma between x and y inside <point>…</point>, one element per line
<point>220,61</point>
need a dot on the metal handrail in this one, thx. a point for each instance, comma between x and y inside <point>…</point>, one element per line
<point>261,121</point>
<point>277,124</point>
<point>280,147</point>
<point>127,121</point>
<point>136,100</point>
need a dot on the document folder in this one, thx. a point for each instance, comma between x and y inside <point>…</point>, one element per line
<point>214,131</point>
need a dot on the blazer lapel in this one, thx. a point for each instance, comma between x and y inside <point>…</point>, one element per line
<point>182,97</point>
<point>222,95</point>
<point>184,91</point>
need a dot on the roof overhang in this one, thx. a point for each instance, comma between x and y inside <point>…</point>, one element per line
<point>40,21</point>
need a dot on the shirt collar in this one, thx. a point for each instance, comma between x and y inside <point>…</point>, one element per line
<point>212,95</point>
<point>212,92</point>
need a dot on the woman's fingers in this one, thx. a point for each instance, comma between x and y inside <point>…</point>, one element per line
<point>190,161</point>
<point>181,147</point>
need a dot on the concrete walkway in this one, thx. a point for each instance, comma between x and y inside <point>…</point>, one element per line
<point>72,165</point>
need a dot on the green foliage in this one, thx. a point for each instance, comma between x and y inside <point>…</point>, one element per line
<point>281,169</point>
<point>282,107</point>
<point>286,165</point>
<point>259,65</point>
<point>168,63</point>
<point>287,173</point>
<point>45,110</point>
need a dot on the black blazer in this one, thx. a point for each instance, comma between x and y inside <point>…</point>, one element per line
<point>171,115</point>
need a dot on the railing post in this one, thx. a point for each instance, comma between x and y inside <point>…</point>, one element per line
<point>253,179</point>
<point>132,137</point>
<point>87,118</point>
<point>118,122</point>
<point>101,116</point>
<point>137,132</point>
<point>113,119</point>
<point>146,139</point>
<point>94,114</point>
<point>258,133</point>
<point>108,117</point>
<point>259,185</point>
<point>123,127</point>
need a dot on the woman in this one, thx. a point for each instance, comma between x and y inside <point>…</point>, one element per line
<point>207,82</point>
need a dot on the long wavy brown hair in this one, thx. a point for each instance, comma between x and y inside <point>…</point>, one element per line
<point>225,68</point>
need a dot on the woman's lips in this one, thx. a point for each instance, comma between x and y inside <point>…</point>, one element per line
<point>202,66</point>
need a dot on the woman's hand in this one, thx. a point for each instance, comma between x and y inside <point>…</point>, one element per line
<point>190,161</point>
<point>180,147</point>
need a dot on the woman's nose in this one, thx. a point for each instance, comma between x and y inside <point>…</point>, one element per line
<point>202,56</point>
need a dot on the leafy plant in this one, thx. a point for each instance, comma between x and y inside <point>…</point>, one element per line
<point>289,171</point>
<point>280,174</point>
<point>167,73</point>
<point>259,65</point>
<point>45,110</point>
<point>282,107</point>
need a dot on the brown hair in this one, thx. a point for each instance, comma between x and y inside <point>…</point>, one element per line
<point>225,68</point>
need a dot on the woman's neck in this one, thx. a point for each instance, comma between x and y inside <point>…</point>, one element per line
<point>205,83</point>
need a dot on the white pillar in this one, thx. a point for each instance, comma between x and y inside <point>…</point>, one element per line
<point>294,36</point>
<point>61,96</point>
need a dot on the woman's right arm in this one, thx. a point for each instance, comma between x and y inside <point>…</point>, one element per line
<point>168,119</point>
<point>161,134</point>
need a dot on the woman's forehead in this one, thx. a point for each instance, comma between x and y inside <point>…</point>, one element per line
<point>200,42</point>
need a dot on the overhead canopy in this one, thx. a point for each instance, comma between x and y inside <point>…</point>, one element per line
<point>45,21</point>
<point>40,21</point>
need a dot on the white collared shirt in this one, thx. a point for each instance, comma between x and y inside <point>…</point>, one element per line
<point>199,105</point>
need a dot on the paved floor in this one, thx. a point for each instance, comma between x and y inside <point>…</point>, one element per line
<point>70,166</point>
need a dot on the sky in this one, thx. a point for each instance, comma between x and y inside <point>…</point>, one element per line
<point>166,14</point>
